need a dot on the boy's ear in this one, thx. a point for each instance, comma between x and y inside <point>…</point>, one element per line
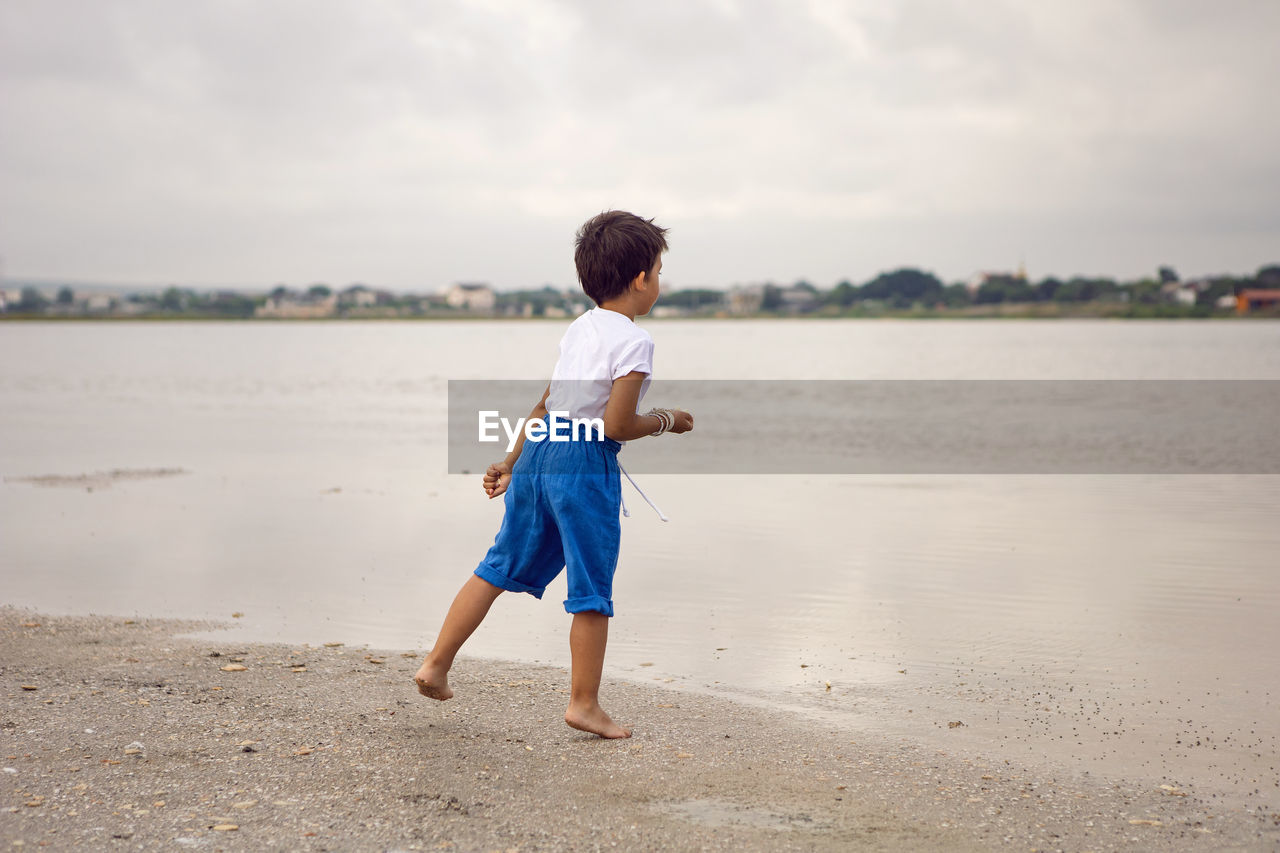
<point>640,280</point>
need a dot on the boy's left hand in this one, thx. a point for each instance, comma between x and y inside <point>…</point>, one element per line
<point>496,478</point>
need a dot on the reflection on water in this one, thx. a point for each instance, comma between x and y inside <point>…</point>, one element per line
<point>1110,622</point>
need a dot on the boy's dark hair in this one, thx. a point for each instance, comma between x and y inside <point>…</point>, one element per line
<point>612,249</point>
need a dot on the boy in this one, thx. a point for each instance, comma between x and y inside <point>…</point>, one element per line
<point>562,498</point>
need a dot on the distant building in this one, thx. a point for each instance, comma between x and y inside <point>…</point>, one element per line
<point>1179,293</point>
<point>358,296</point>
<point>471,297</point>
<point>746,300</point>
<point>132,306</point>
<point>1185,292</point>
<point>1251,299</point>
<point>798,299</point>
<point>288,306</point>
<point>96,303</point>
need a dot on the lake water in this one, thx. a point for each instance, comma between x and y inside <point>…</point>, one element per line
<point>1101,623</point>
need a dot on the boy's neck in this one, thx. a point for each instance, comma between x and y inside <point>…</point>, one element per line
<point>622,305</point>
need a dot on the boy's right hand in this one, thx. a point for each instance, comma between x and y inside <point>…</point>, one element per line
<point>496,478</point>
<point>683,421</point>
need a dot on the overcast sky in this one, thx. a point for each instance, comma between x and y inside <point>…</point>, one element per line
<point>413,144</point>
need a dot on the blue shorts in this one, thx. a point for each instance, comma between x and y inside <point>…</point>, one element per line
<point>562,508</point>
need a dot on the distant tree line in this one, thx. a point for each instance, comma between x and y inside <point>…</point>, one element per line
<point>179,300</point>
<point>909,288</point>
<point>906,289</point>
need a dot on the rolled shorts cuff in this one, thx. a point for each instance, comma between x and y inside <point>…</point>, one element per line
<point>486,572</point>
<point>587,603</point>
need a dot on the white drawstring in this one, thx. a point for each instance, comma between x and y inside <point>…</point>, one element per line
<point>625,512</point>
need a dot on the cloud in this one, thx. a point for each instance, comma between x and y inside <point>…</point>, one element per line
<point>413,144</point>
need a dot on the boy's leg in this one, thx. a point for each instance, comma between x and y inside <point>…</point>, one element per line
<point>465,615</point>
<point>587,640</point>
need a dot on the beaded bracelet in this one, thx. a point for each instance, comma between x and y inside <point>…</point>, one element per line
<point>665,420</point>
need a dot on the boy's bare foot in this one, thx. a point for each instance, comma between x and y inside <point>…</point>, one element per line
<point>592,718</point>
<point>433,682</point>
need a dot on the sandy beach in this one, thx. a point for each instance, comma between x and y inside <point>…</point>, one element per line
<point>121,734</point>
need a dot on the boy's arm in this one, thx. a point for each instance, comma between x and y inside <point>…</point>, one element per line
<point>498,475</point>
<point>621,420</point>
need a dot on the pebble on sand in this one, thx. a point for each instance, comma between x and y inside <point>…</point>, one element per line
<point>234,667</point>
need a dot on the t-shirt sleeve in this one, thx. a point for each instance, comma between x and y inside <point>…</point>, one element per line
<point>635,355</point>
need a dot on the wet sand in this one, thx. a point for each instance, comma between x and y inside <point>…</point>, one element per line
<point>121,733</point>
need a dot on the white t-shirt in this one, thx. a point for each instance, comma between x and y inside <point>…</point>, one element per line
<point>597,348</point>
